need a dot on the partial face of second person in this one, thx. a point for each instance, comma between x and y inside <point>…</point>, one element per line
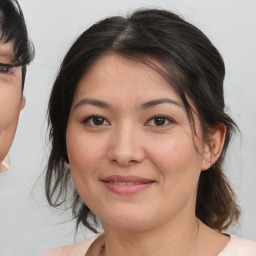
<point>134,159</point>
<point>11,99</point>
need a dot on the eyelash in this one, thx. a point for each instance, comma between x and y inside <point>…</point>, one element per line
<point>104,121</point>
<point>163,117</point>
<point>92,118</point>
<point>6,69</point>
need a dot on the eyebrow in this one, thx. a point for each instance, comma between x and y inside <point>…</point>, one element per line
<point>156,102</point>
<point>149,104</point>
<point>97,103</point>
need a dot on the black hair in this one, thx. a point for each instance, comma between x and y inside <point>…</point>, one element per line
<point>13,29</point>
<point>192,66</point>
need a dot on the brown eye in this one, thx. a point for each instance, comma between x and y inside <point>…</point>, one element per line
<point>6,69</point>
<point>159,121</point>
<point>95,121</point>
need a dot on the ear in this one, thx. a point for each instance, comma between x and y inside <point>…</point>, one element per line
<point>214,146</point>
<point>22,103</point>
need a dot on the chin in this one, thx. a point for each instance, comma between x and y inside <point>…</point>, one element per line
<point>127,224</point>
<point>127,219</point>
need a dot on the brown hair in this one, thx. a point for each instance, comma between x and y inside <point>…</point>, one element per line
<point>13,29</point>
<point>193,67</point>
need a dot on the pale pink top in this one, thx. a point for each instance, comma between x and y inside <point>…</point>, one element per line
<point>235,247</point>
<point>5,164</point>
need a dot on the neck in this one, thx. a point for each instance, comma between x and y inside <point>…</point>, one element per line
<point>176,238</point>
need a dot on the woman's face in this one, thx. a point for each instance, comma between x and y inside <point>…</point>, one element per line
<point>133,156</point>
<point>11,100</point>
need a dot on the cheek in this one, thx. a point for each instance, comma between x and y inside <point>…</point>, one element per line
<point>85,153</point>
<point>9,108</point>
<point>178,165</point>
<point>177,160</point>
<point>9,114</point>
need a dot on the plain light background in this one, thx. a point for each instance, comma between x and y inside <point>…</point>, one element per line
<point>27,225</point>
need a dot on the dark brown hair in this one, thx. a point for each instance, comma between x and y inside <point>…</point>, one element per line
<point>13,29</point>
<point>192,66</point>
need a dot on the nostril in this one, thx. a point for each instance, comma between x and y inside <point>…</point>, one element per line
<point>124,162</point>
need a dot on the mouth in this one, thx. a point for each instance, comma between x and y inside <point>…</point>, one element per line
<point>126,185</point>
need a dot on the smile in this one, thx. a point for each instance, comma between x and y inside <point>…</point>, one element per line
<point>126,185</point>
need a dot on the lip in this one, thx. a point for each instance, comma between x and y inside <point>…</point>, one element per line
<point>126,185</point>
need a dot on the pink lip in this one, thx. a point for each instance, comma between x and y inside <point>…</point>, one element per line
<point>140,184</point>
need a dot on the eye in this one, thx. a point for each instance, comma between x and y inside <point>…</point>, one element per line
<point>159,121</point>
<point>5,68</point>
<point>95,121</point>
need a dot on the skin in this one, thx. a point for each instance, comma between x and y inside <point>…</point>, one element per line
<point>11,99</point>
<point>128,139</point>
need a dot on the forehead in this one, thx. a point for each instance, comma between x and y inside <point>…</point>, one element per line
<point>112,71</point>
<point>6,52</point>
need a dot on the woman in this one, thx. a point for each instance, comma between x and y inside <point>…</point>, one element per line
<point>137,122</point>
<point>16,52</point>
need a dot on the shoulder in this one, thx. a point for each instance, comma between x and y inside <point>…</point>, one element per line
<point>239,247</point>
<point>77,249</point>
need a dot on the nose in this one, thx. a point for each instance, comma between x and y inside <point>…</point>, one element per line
<point>126,147</point>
